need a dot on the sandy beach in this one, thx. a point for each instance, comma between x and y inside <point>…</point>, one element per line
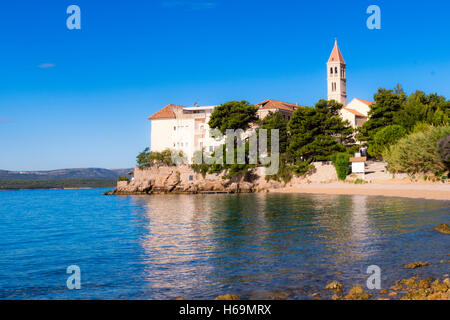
<point>433,191</point>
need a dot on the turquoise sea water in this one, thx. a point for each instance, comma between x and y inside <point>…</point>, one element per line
<point>259,246</point>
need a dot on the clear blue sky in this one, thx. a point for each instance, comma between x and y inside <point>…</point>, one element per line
<point>81,98</point>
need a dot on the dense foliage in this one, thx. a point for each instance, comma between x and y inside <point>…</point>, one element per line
<point>275,121</point>
<point>417,152</point>
<point>204,164</point>
<point>233,115</point>
<point>149,158</point>
<point>443,150</point>
<point>386,137</point>
<point>419,107</point>
<point>381,114</point>
<point>342,164</point>
<point>394,107</point>
<point>317,133</point>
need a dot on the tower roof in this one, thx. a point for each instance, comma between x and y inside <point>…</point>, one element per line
<point>336,55</point>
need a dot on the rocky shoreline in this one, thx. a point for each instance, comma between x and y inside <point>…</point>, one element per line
<point>184,180</point>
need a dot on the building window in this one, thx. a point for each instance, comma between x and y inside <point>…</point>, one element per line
<point>333,86</point>
<point>331,70</point>
<point>211,148</point>
<point>191,178</point>
<point>335,70</point>
<point>174,128</point>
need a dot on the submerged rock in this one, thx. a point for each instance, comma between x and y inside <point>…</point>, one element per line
<point>397,286</point>
<point>425,290</point>
<point>316,296</point>
<point>334,286</point>
<point>357,293</point>
<point>227,297</point>
<point>443,228</point>
<point>410,283</point>
<point>392,294</point>
<point>424,284</point>
<point>415,265</point>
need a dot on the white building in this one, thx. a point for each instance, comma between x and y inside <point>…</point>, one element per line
<point>182,128</point>
<point>356,112</point>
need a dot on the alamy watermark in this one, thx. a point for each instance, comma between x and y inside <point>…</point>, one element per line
<point>74,280</point>
<point>241,147</point>
<point>374,20</point>
<point>374,280</point>
<point>73,22</point>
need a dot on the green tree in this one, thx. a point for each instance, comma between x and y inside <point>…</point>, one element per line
<point>317,133</point>
<point>233,115</point>
<point>421,107</point>
<point>276,121</point>
<point>381,114</point>
<point>384,138</point>
<point>417,152</point>
<point>149,158</point>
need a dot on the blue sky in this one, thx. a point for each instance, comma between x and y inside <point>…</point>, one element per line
<point>81,98</point>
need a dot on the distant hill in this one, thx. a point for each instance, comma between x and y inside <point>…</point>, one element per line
<point>64,174</point>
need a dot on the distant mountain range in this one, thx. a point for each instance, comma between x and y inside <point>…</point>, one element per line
<point>64,174</point>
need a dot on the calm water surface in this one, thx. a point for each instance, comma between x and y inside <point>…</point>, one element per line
<point>258,246</point>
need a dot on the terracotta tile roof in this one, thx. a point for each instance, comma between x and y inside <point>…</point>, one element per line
<point>336,55</point>
<point>278,105</point>
<point>166,112</point>
<point>358,159</point>
<point>369,103</point>
<point>356,113</point>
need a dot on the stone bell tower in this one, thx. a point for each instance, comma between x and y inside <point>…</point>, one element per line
<point>337,76</point>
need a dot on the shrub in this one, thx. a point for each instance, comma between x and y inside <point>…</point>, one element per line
<point>123,178</point>
<point>384,138</point>
<point>149,158</point>
<point>443,150</point>
<point>302,167</point>
<point>417,152</point>
<point>285,172</point>
<point>421,126</point>
<point>342,164</point>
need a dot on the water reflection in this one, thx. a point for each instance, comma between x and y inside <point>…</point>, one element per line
<point>198,246</point>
